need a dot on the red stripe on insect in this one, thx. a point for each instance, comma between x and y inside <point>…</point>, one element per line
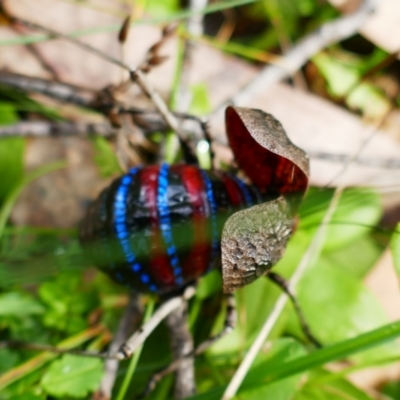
<point>159,264</point>
<point>199,258</point>
<point>236,196</point>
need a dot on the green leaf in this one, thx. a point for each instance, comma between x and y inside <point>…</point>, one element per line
<point>19,305</point>
<point>73,376</point>
<point>391,390</point>
<point>208,285</point>
<point>28,396</point>
<point>357,258</point>
<point>8,359</point>
<point>67,302</point>
<point>162,7</point>
<point>337,305</point>
<point>8,113</point>
<point>32,366</point>
<point>335,302</point>
<point>395,248</point>
<point>370,100</point>
<point>18,101</point>
<point>258,300</point>
<point>200,104</point>
<point>105,158</point>
<point>343,73</point>
<point>358,210</point>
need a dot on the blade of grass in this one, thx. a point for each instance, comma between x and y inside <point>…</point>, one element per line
<point>237,49</point>
<point>334,352</point>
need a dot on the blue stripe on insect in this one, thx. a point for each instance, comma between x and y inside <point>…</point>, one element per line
<point>165,222</point>
<point>122,231</point>
<point>245,191</point>
<point>213,215</point>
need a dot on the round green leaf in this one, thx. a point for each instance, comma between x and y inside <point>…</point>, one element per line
<point>73,376</point>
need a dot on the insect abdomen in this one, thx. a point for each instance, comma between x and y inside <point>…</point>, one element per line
<point>158,228</point>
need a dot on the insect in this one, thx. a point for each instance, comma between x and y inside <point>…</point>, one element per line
<point>168,220</point>
<point>168,224</point>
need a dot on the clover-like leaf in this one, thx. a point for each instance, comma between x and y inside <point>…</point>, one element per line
<point>72,376</point>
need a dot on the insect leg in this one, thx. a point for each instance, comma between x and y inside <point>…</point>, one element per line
<point>229,325</point>
<point>284,285</point>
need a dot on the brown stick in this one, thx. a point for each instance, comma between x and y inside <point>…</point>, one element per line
<point>182,344</point>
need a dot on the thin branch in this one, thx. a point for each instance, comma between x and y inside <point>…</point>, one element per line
<point>372,162</point>
<point>295,58</point>
<point>152,122</point>
<point>162,312</point>
<point>147,120</point>
<point>56,90</point>
<point>182,344</point>
<point>55,129</point>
